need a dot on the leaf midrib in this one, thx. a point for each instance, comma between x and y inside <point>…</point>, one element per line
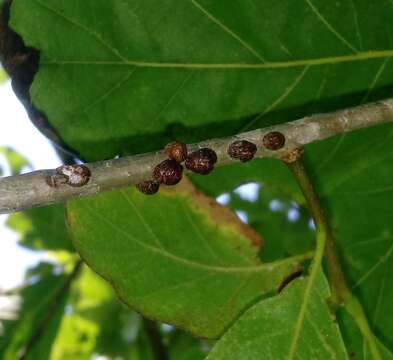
<point>366,55</point>
<point>121,60</point>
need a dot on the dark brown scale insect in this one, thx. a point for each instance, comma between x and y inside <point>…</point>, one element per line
<point>148,187</point>
<point>273,140</point>
<point>201,161</point>
<point>176,151</point>
<point>242,150</point>
<point>168,172</point>
<point>75,175</point>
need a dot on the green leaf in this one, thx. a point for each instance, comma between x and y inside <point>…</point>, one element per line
<point>192,70</point>
<point>3,74</point>
<point>41,270</point>
<point>95,322</point>
<point>357,346</point>
<point>15,161</point>
<point>42,228</point>
<point>269,328</point>
<point>184,347</point>
<point>37,322</point>
<point>176,257</point>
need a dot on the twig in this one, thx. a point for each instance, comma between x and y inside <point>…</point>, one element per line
<point>321,225</point>
<point>341,294</point>
<point>31,190</point>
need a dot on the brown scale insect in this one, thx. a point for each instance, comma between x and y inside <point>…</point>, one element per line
<point>201,161</point>
<point>176,151</point>
<point>242,150</point>
<point>148,187</point>
<point>168,172</point>
<point>273,140</point>
<point>73,175</point>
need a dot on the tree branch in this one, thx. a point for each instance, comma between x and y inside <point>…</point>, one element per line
<point>31,190</point>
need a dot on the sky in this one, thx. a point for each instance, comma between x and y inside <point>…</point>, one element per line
<point>18,132</point>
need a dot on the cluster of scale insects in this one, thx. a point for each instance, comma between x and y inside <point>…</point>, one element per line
<point>170,171</point>
<point>201,161</point>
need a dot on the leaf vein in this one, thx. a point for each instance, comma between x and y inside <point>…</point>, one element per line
<point>110,91</point>
<point>88,31</point>
<point>142,220</point>
<point>375,79</point>
<point>381,261</point>
<point>288,90</point>
<point>173,97</point>
<point>330,27</point>
<point>228,31</point>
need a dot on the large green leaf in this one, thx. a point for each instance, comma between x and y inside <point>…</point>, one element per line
<point>269,328</point>
<point>127,76</point>
<point>176,257</point>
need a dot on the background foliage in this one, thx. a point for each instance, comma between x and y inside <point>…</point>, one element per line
<point>124,77</point>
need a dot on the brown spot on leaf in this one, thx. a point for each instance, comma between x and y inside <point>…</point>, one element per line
<point>221,215</point>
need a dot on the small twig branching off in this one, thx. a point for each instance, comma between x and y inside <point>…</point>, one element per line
<point>326,245</point>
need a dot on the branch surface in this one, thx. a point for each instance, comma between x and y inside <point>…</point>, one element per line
<point>31,190</point>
